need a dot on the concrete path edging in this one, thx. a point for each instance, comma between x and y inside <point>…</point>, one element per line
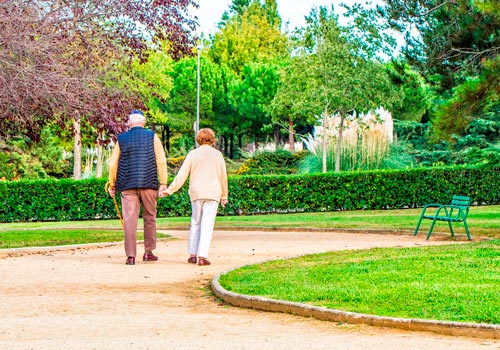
<point>476,330</point>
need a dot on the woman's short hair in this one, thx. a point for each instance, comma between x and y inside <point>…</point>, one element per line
<point>205,136</point>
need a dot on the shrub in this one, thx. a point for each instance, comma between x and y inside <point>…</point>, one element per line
<point>277,162</point>
<point>60,200</point>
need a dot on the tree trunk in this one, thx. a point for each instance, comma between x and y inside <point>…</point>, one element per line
<point>339,141</point>
<point>98,167</point>
<point>231,147</point>
<point>277,137</point>
<point>165,138</point>
<point>77,149</point>
<point>240,145</point>
<point>226,148</point>
<point>291,133</point>
<point>325,116</point>
<point>220,144</point>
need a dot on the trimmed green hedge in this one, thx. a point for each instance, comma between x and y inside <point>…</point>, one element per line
<point>60,200</point>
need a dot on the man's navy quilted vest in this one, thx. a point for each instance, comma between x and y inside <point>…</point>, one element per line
<point>137,163</point>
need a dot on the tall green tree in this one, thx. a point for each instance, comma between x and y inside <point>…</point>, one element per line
<point>416,96</point>
<point>181,104</point>
<point>251,96</point>
<point>331,74</point>
<point>251,34</point>
<point>449,38</point>
<point>249,37</point>
<point>478,98</point>
<point>239,7</point>
<point>453,44</point>
<point>216,110</point>
<point>225,115</point>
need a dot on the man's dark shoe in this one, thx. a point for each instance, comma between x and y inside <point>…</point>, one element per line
<point>192,260</point>
<point>149,257</point>
<point>130,260</point>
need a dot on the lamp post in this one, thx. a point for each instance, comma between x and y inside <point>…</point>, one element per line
<point>197,125</point>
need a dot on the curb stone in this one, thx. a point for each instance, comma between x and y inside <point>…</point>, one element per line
<point>476,330</point>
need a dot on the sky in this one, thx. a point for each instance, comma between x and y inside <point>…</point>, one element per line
<point>292,11</point>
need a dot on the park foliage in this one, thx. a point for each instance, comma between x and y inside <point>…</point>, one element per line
<point>261,82</point>
<point>66,199</point>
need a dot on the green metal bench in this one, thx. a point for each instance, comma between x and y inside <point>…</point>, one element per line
<point>456,211</point>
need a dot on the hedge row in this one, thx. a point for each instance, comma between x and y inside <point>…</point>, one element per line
<point>61,200</point>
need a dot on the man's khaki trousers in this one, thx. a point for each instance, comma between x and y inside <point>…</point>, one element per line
<point>132,201</point>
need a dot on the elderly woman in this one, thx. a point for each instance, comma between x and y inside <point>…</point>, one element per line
<point>206,169</point>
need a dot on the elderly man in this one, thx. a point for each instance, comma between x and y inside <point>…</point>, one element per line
<point>138,160</point>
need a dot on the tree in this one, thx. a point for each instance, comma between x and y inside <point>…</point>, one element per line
<point>249,37</point>
<point>252,94</point>
<point>225,116</point>
<point>331,73</point>
<point>416,95</point>
<point>476,99</point>
<point>456,50</point>
<point>239,7</point>
<point>252,34</point>
<point>288,106</point>
<point>180,107</point>
<point>55,53</point>
<point>153,82</point>
<point>454,36</point>
<point>58,52</point>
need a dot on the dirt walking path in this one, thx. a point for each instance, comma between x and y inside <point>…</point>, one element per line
<point>87,298</point>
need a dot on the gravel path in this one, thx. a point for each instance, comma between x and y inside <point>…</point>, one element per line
<point>87,298</point>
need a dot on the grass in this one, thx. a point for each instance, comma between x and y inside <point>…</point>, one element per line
<point>49,237</point>
<point>482,220</point>
<point>453,283</point>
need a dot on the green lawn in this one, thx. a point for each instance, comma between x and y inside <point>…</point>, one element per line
<point>455,282</point>
<point>38,237</point>
<point>483,221</point>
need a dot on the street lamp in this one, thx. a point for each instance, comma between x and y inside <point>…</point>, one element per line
<point>197,125</point>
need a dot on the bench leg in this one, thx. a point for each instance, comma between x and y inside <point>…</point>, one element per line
<point>467,229</point>
<point>451,229</point>
<point>418,225</point>
<point>430,229</point>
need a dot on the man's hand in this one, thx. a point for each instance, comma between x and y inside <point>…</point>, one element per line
<point>111,191</point>
<point>162,191</point>
<point>223,202</point>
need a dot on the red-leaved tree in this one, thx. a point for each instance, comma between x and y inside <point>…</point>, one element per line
<point>55,56</point>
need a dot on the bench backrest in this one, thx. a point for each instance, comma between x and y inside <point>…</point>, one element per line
<point>463,203</point>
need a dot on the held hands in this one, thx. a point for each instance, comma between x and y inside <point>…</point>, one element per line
<point>162,191</point>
